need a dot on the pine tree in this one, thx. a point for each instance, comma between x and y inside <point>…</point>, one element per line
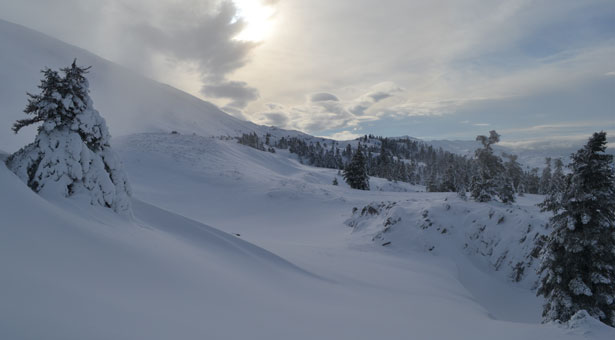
<point>448,183</point>
<point>491,179</point>
<point>578,262</point>
<point>335,182</point>
<point>71,153</point>
<point>558,177</point>
<point>545,179</point>
<point>461,192</point>
<point>355,172</point>
<point>514,171</point>
<point>532,181</point>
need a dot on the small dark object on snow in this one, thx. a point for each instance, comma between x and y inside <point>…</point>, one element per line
<point>386,243</point>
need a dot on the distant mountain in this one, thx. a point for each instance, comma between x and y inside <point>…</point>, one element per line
<point>531,154</point>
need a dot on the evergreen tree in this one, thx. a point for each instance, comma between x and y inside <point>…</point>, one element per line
<point>461,192</point>
<point>449,183</point>
<point>578,263</point>
<point>355,172</point>
<point>490,181</point>
<point>545,179</point>
<point>514,171</point>
<point>71,153</point>
<point>558,177</point>
<point>335,182</point>
<point>532,181</point>
<point>521,190</point>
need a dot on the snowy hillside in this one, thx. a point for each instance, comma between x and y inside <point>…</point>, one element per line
<point>294,211</point>
<point>502,240</point>
<point>229,242</point>
<point>76,271</point>
<point>73,271</point>
<point>129,102</point>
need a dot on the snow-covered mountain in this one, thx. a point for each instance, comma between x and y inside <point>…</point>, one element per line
<point>229,242</point>
<point>531,154</point>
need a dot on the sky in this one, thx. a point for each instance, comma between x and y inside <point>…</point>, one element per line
<point>535,71</point>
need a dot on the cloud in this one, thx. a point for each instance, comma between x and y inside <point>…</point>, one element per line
<point>454,56</point>
<point>565,127</point>
<point>311,117</point>
<point>381,91</point>
<point>325,111</point>
<point>367,104</point>
<point>276,118</point>
<point>359,109</point>
<point>323,96</point>
<point>343,135</point>
<point>189,44</point>
<point>573,141</point>
<point>473,60</point>
<point>239,92</point>
<point>378,96</point>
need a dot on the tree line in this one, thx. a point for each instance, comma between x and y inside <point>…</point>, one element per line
<point>486,175</point>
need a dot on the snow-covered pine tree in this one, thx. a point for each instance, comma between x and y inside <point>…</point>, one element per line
<point>71,154</point>
<point>558,177</point>
<point>545,179</point>
<point>461,192</point>
<point>491,179</point>
<point>505,190</point>
<point>532,181</point>
<point>578,261</point>
<point>449,182</point>
<point>514,171</point>
<point>432,184</point>
<point>355,173</point>
<point>521,190</point>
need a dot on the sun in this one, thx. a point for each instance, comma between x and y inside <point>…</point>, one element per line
<point>258,18</point>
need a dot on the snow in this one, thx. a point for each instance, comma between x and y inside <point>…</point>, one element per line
<point>578,287</point>
<point>228,242</point>
<point>294,211</point>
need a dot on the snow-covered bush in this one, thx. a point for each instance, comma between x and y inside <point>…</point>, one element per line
<point>71,154</point>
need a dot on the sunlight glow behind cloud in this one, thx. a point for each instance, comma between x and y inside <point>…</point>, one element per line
<point>258,18</point>
<point>397,67</point>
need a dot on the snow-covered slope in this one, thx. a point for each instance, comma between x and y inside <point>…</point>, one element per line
<point>74,271</point>
<point>129,102</point>
<point>280,261</point>
<point>294,211</point>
